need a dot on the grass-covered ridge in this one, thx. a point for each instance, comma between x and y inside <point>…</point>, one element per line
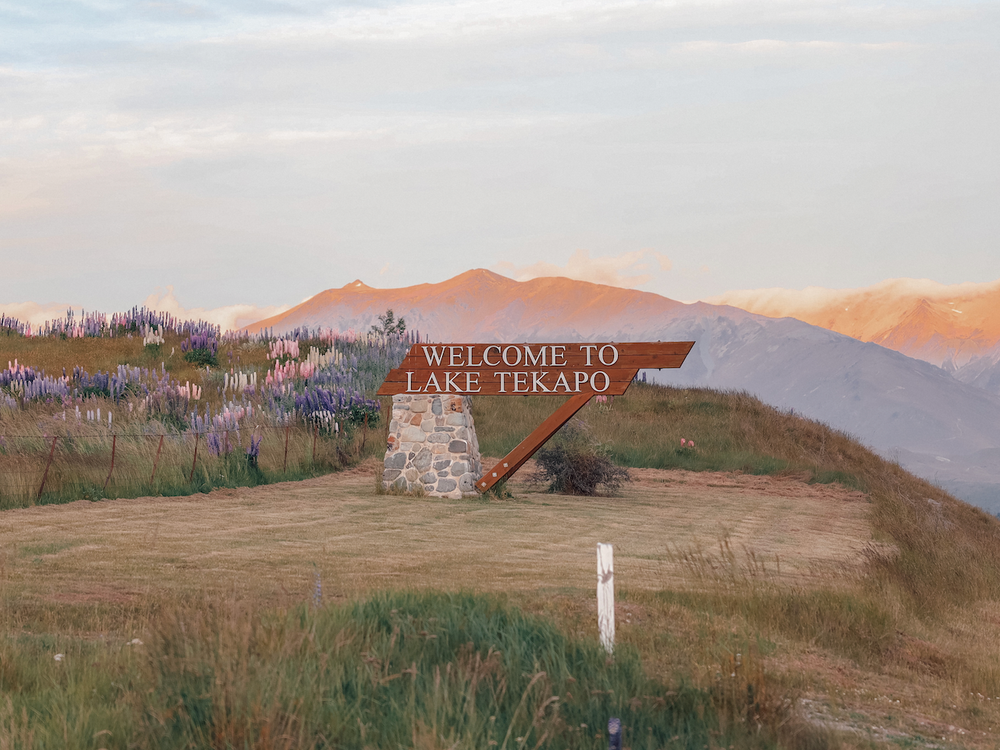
<point>933,538</point>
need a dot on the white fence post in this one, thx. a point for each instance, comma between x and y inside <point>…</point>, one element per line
<point>606,595</point>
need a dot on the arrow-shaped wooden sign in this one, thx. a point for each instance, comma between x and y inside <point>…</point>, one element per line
<point>575,370</point>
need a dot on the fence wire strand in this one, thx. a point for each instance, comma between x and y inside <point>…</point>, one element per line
<point>49,454</point>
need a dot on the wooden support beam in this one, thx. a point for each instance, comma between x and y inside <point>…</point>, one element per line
<point>527,447</point>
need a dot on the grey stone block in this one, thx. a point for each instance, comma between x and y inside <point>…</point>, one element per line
<point>467,482</point>
<point>446,485</point>
<point>389,474</point>
<point>412,435</point>
<point>458,468</point>
<point>396,461</point>
<point>458,446</point>
<point>422,461</point>
<point>438,437</point>
<point>429,477</point>
<point>442,464</point>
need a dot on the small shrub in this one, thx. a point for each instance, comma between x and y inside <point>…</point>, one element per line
<point>201,350</point>
<point>575,465</point>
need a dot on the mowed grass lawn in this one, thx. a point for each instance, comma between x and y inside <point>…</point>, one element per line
<point>268,543</point>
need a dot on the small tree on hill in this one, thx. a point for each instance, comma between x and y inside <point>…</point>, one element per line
<point>389,326</point>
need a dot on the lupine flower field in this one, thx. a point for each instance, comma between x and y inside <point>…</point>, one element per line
<point>140,403</point>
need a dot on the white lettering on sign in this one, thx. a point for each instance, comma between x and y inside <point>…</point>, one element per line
<point>512,356</point>
<point>486,360</point>
<point>534,359</point>
<point>600,355</point>
<point>522,368</point>
<point>434,356</point>
<point>507,351</point>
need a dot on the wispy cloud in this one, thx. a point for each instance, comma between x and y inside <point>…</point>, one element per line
<point>628,270</point>
<point>230,317</point>
<point>32,312</point>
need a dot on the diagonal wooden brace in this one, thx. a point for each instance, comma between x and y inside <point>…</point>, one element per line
<point>527,447</point>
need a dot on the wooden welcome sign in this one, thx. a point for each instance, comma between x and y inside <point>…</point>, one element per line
<point>577,370</point>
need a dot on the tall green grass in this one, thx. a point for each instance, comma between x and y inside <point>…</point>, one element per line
<point>400,670</point>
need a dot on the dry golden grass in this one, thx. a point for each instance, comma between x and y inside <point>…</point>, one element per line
<point>708,565</point>
<point>105,354</point>
<point>259,541</point>
<point>876,609</point>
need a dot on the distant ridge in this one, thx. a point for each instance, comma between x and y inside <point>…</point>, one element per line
<point>479,303</point>
<point>956,327</point>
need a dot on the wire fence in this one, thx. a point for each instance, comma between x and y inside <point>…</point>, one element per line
<point>80,462</point>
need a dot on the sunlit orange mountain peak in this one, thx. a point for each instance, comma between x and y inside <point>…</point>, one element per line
<point>949,326</point>
<point>478,303</point>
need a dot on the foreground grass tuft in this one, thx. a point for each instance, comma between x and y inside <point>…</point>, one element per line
<point>396,670</point>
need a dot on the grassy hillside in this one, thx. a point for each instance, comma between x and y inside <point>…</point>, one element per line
<point>933,536</point>
<point>119,419</point>
<point>897,644</point>
<point>52,354</point>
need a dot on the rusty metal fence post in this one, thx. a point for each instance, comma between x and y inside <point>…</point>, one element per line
<point>156,461</point>
<point>45,476</point>
<point>114,445</point>
<point>197,437</point>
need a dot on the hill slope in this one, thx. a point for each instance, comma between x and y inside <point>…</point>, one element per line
<point>903,407</point>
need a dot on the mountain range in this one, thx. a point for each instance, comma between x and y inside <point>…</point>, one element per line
<point>904,407</point>
<point>955,327</point>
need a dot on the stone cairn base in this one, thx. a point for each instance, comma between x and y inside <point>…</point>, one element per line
<point>432,446</point>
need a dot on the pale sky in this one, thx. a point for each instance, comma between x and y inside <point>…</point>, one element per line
<point>255,153</point>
